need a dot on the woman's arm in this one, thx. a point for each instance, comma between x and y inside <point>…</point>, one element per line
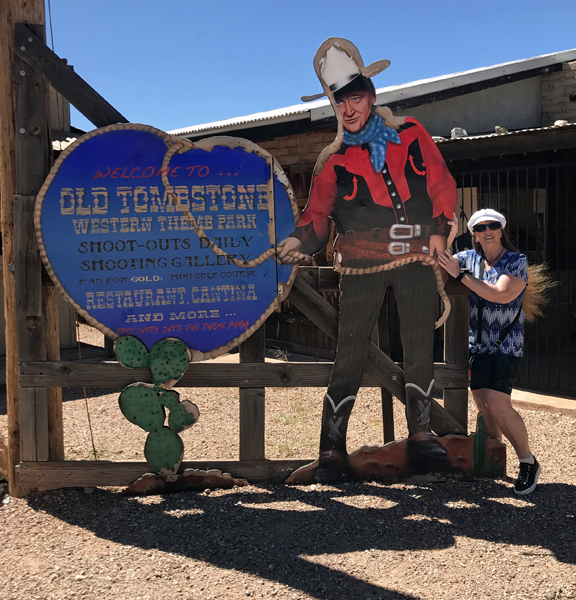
<point>506,289</point>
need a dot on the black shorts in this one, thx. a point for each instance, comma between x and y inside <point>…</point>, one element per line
<point>493,371</point>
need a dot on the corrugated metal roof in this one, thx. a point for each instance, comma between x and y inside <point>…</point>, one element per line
<point>279,115</point>
<point>557,125</point>
<point>322,108</point>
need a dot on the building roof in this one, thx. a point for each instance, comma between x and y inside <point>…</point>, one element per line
<point>560,124</point>
<point>401,96</point>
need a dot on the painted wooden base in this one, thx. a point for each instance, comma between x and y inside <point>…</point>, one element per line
<point>466,457</point>
<point>191,480</point>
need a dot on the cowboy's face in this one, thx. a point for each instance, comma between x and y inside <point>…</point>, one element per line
<point>355,109</point>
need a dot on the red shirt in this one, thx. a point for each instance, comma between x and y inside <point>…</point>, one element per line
<point>415,187</point>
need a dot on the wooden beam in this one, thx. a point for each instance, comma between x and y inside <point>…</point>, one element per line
<point>111,375</point>
<point>32,165</point>
<point>54,394</point>
<point>388,374</point>
<point>55,475</point>
<point>31,49</point>
<point>11,12</point>
<point>252,401</point>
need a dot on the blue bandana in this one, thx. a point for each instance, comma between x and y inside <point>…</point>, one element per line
<point>376,134</point>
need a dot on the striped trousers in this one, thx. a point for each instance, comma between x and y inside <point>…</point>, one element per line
<point>415,291</point>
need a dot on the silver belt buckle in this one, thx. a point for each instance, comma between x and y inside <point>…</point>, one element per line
<point>414,231</point>
<point>398,248</point>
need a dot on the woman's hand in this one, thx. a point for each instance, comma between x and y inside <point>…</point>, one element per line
<point>449,263</point>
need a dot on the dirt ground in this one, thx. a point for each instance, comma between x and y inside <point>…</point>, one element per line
<point>360,541</point>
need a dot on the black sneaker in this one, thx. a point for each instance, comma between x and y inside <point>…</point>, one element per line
<point>527,478</point>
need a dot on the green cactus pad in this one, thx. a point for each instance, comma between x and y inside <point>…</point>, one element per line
<point>479,446</point>
<point>141,405</point>
<point>164,450</point>
<point>182,414</point>
<point>131,352</point>
<point>169,359</point>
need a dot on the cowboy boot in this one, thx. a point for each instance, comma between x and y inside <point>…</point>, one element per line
<point>425,453</point>
<point>333,459</point>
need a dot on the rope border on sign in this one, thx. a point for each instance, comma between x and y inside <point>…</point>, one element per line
<point>175,145</point>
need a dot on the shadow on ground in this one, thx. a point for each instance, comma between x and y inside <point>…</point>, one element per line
<point>257,534</point>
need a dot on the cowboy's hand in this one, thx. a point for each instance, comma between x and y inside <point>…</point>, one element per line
<point>449,263</point>
<point>285,247</point>
<point>437,244</point>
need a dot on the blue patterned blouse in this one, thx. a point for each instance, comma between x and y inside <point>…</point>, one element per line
<point>495,317</point>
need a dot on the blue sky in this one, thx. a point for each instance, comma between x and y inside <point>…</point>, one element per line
<point>175,63</point>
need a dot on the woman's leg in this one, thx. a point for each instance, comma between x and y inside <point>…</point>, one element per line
<point>491,426</point>
<point>501,416</point>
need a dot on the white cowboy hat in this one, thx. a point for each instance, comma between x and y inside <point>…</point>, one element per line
<point>338,62</point>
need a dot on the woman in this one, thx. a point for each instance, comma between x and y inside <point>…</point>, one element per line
<point>497,275</point>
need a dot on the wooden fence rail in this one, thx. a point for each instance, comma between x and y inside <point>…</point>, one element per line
<point>112,375</point>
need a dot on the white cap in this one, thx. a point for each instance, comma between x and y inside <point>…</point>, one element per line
<point>486,214</point>
<point>337,68</point>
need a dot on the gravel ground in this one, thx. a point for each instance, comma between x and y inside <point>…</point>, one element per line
<point>352,541</point>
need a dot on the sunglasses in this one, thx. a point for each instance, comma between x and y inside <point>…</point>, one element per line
<point>494,226</point>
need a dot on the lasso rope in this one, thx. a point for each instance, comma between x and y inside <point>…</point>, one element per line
<point>181,146</point>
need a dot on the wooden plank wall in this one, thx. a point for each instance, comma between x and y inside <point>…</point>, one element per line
<point>23,167</point>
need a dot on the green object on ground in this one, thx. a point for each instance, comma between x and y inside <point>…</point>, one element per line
<point>479,446</point>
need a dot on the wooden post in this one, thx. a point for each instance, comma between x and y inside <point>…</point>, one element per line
<point>53,395</point>
<point>13,181</point>
<point>59,123</point>
<point>31,327</point>
<point>252,402</point>
<point>384,345</point>
<point>456,351</point>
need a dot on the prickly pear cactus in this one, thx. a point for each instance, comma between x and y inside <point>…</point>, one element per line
<point>168,361</point>
<point>479,446</point>
<point>164,450</point>
<point>145,404</point>
<point>183,414</point>
<point>131,352</point>
<point>140,404</point>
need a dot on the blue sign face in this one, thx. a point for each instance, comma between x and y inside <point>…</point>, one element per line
<point>154,240</point>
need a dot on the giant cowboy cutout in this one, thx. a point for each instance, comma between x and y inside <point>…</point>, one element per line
<point>386,187</point>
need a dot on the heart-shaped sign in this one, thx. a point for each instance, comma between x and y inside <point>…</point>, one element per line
<point>152,236</point>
